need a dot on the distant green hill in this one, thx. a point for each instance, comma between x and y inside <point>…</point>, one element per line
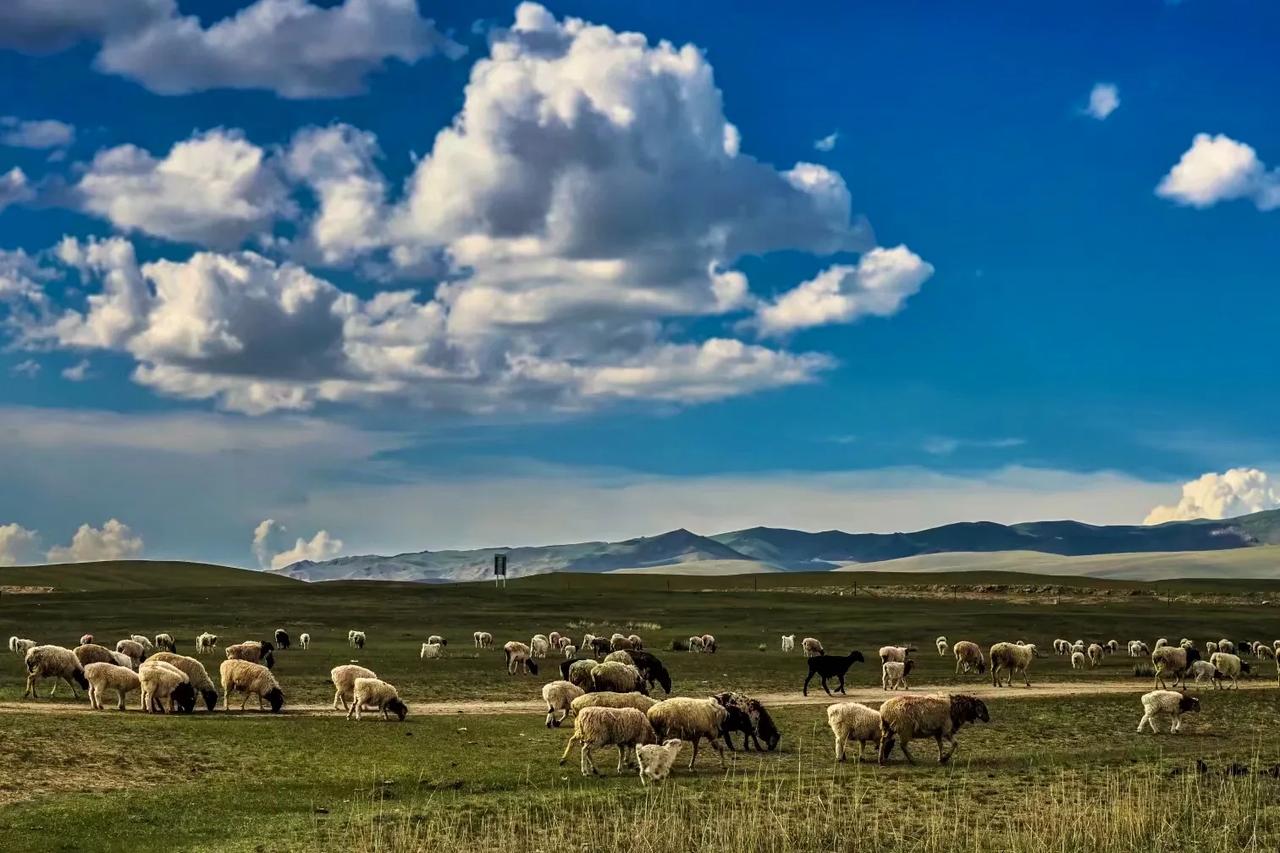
<point>135,574</point>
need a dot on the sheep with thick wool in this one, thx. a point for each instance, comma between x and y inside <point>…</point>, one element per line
<point>1095,654</point>
<point>893,675</point>
<point>897,654</point>
<point>1011,658</point>
<point>1228,666</point>
<point>1078,660</point>
<point>969,657</point>
<point>21,645</point>
<point>609,699</point>
<point>1172,660</point>
<point>788,643</point>
<point>905,718</point>
<point>1170,703</point>
<point>692,720</point>
<point>559,696</point>
<point>253,651</point>
<point>578,672</point>
<point>144,641</point>
<point>812,647</point>
<point>617,677</point>
<point>206,642</point>
<point>378,695</point>
<point>195,673</point>
<point>133,649</point>
<point>655,760</point>
<point>54,662</point>
<point>853,721</point>
<point>104,676</point>
<point>88,653</point>
<point>344,682</point>
<point>165,688</point>
<point>251,679</point>
<point>431,650</point>
<point>593,728</point>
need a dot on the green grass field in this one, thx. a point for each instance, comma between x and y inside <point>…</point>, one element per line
<point>1045,770</point>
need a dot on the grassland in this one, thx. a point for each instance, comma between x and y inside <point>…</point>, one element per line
<point>1049,773</point>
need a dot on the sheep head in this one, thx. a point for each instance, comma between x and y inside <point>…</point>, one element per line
<point>967,709</point>
<point>275,698</point>
<point>81,680</point>
<point>855,656</point>
<point>210,698</point>
<point>1188,704</point>
<point>399,708</point>
<point>184,698</point>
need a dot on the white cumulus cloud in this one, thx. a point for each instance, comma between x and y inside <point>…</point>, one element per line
<point>320,547</point>
<point>14,188</point>
<point>113,541</point>
<point>41,133</point>
<point>268,540</point>
<point>17,544</point>
<point>828,142</point>
<point>1218,168</point>
<point>1104,99</point>
<point>1237,491</point>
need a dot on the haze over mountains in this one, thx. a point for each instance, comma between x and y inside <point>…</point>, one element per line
<point>766,549</point>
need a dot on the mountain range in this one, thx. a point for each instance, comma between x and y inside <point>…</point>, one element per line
<point>770,549</point>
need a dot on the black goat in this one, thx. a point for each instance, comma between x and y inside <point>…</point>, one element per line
<point>831,666</point>
<point>650,668</point>
<point>282,639</point>
<point>748,716</point>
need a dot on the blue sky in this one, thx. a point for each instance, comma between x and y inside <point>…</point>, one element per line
<point>979,301</point>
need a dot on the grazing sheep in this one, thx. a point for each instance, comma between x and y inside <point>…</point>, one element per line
<point>587,639</point>
<point>616,638</point>
<point>1078,660</point>
<point>898,654</point>
<point>1202,670</point>
<point>282,639</point>
<point>1227,666</point>
<point>1159,703</point>
<point>165,688</point>
<point>695,644</point>
<point>344,682</point>
<point>1210,647</point>
<point>431,650</point>
<point>253,651</point>
<point>1011,658</point>
<point>1264,652</point>
<point>1061,647</point>
<point>893,675</point>
<point>438,640</point>
<point>812,647</point>
<point>1095,654</point>
<point>1226,646</point>
<point>829,666</point>
<point>636,642</point>
<point>88,653</point>
<point>942,646</point>
<point>618,678</point>
<point>578,672</point>
<point>251,679</point>
<point>539,646</point>
<point>1077,646</point>
<point>570,651</point>
<point>655,761</point>
<point>1172,660</point>
<point>165,643</point>
<point>53,662</point>
<point>145,642</point>
<point>133,649</point>
<point>20,646</point>
<point>356,639</point>
<point>195,673</point>
<point>1112,646</point>
<point>108,676</point>
<point>559,696</point>
<point>969,656</point>
<point>519,658</point>
<point>709,645</point>
<point>853,721</point>
<point>747,715</point>
<point>651,668</point>
<point>304,640</point>
<point>554,639</point>
<point>564,643</point>
<point>940,717</point>
<point>620,656</point>
<point>600,646</point>
<point>86,640</point>
<point>609,699</point>
<point>692,720</point>
<point>206,642</point>
<point>1161,643</point>
<point>788,643</point>
<point>625,728</point>
<point>377,695</point>
<point>482,639</point>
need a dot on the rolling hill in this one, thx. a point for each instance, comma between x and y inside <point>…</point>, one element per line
<point>119,575</point>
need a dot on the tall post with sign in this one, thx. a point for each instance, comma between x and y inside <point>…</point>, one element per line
<point>500,570</point>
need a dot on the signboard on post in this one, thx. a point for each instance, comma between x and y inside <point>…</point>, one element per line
<point>500,570</point>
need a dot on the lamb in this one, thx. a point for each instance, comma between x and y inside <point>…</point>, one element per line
<point>554,639</point>
<point>1011,658</point>
<point>165,643</point>
<point>692,720</point>
<point>1172,660</point>
<point>1227,666</point>
<point>431,650</point>
<point>655,761</point>
<point>1202,670</point>
<point>53,662</point>
<point>825,667</point>
<point>1078,660</point>
<point>812,647</point>
<point>898,654</point>
<point>969,656</point>
<point>625,728</point>
<point>942,646</point>
<point>86,639</point>
<point>133,649</point>
<point>539,646</point>
<point>788,643</point>
<point>304,640</point>
<point>93,653</point>
<point>164,685</point>
<point>482,639</point>
<point>206,642</point>
<point>356,639</point>
<point>282,639</point>
<point>695,644</point>
<point>254,651</point>
<point>1226,646</point>
<point>748,715</point>
<point>894,675</point>
<point>344,682</point>
<point>1158,703</point>
<point>20,645</point>
<point>379,695</point>
<point>609,699</point>
<point>436,639</point>
<point>853,721</point>
<point>559,696</point>
<point>1061,647</point>
<point>1095,654</point>
<point>104,676</point>
<point>709,646</point>
<point>195,673</point>
<point>578,672</point>
<point>940,717</point>
<point>143,641</point>
<point>570,651</point>
<point>617,677</point>
<point>519,658</point>
<point>251,679</point>
<point>637,644</point>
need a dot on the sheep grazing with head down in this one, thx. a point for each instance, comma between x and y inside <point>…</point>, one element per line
<point>578,672</point>
<point>356,639</point>
<point>21,645</point>
<point>812,647</point>
<point>165,643</point>
<point>304,640</point>
<point>748,716</point>
<point>853,721</point>
<point>539,646</point>
<point>165,688</point>
<point>94,653</point>
<point>637,643</point>
<point>378,695</point>
<point>554,639</point>
<point>788,643</point>
<point>827,667</point>
<point>1170,703</point>
<point>519,658</point>
<point>108,676</point>
<point>651,668</point>
<point>1138,649</point>
<point>1078,660</point>
<point>195,673</point>
<point>1227,666</point>
<point>134,650</point>
<point>1011,658</point>
<point>618,678</point>
<point>941,644</point>
<point>437,640</point>
<point>482,639</point>
<point>344,683</point>
<point>609,699</point>
<point>570,651</point>
<point>1095,654</point>
<point>143,641</point>
<point>86,640</point>
<point>655,760</point>
<point>1062,647</point>
<point>692,720</point>
<point>206,643</point>
<point>559,696</point>
<point>53,662</point>
<point>251,679</point>
<point>709,644</point>
<point>906,718</point>
<point>599,646</point>
<point>253,651</point>
<point>593,728</point>
<point>695,643</point>
<point>893,675</point>
<point>1172,660</point>
<point>431,650</point>
<point>969,657</point>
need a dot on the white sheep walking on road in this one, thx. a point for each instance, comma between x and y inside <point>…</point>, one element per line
<point>1159,703</point>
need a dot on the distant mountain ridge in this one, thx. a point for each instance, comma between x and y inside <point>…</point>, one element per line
<point>781,549</point>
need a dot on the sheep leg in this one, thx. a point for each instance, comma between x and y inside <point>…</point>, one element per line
<point>694,757</point>
<point>841,739</point>
<point>245,702</point>
<point>31,688</point>
<point>568,747</point>
<point>906,752</point>
<point>1026,681</point>
<point>842,693</point>
<point>886,746</point>
<point>811,674</point>
<point>55,688</point>
<point>951,741</point>
<point>719,750</point>
<point>1143,722</point>
<point>1176,724</point>
<point>587,762</point>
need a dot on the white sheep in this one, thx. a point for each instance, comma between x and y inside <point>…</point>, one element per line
<point>539,646</point>
<point>165,643</point>
<point>695,644</point>
<point>1061,647</point>
<point>788,643</point>
<point>133,649</point>
<point>519,658</point>
<point>344,682</point>
<point>53,662</point>
<point>88,653</point>
<point>1095,654</point>
<point>377,695</point>
<point>692,720</point>
<point>893,675</point>
<point>1078,660</point>
<point>610,699</point>
<point>898,654</point>
<point>1227,646</point>
<point>559,696</point>
<point>812,647</point>
<point>143,641</point>
<point>206,643</point>
<point>853,721</point>
<point>569,651</point>
<point>709,643</point>
<point>1160,703</point>
<point>165,688</point>
<point>304,640</point>
<point>655,760</point>
<point>195,673</point>
<point>1161,643</point>
<point>108,676</point>
<point>969,656</point>
<point>356,639</point>
<point>1228,666</point>
<point>1210,647</point>
<point>20,646</point>
<point>431,650</point>
<point>1172,660</point>
<point>941,644</point>
<point>482,639</point>
<point>251,679</point>
<point>554,639</point>
<point>437,640</point>
<point>1201,671</point>
<point>617,677</point>
<point>1011,658</point>
<point>625,728</point>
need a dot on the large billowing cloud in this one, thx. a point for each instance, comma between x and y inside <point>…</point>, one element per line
<point>1218,168</point>
<point>296,48</point>
<point>113,541</point>
<point>1237,491</point>
<point>17,544</point>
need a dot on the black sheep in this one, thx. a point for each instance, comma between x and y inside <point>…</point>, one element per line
<point>601,646</point>
<point>753,721</point>
<point>831,666</point>
<point>650,668</point>
<point>282,639</point>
